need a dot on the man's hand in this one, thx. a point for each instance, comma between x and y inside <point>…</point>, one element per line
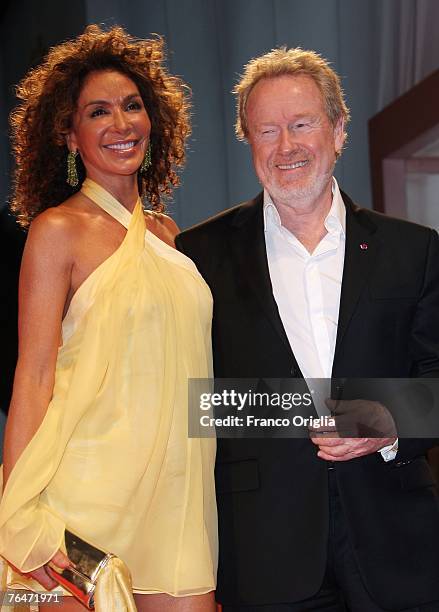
<point>362,427</point>
<point>42,575</point>
<point>343,449</point>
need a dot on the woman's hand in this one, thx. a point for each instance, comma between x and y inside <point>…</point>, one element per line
<point>42,574</point>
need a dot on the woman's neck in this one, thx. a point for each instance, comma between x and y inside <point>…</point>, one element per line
<point>123,188</point>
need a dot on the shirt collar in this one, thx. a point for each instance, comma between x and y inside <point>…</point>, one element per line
<point>335,221</point>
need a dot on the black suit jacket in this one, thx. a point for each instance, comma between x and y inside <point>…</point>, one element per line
<point>273,494</point>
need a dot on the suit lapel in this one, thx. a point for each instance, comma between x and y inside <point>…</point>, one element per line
<point>248,245</point>
<point>361,252</point>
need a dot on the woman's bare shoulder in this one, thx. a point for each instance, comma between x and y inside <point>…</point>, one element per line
<point>57,221</point>
<point>163,226</point>
<point>55,230</point>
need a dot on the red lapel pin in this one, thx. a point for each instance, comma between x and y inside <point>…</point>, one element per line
<point>363,246</point>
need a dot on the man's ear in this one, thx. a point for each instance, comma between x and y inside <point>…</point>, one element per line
<point>339,135</point>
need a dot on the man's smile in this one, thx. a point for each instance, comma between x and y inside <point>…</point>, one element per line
<point>292,166</point>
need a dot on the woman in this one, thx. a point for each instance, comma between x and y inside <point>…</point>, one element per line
<point>113,322</point>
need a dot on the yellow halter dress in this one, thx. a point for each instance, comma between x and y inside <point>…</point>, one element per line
<point>112,460</point>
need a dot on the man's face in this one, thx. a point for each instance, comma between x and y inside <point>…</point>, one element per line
<point>292,140</point>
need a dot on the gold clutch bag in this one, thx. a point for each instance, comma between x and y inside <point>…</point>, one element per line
<point>89,562</point>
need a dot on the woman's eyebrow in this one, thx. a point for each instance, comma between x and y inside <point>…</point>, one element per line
<point>126,99</point>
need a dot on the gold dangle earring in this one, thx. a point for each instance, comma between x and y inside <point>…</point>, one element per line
<point>72,172</point>
<point>146,160</point>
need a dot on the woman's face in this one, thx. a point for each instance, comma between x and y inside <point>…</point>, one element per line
<point>111,127</point>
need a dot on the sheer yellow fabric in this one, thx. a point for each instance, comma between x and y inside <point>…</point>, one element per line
<point>113,592</point>
<point>112,460</point>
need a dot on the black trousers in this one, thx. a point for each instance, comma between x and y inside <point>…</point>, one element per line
<point>342,589</point>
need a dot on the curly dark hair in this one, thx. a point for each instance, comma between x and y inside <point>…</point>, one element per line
<point>48,99</point>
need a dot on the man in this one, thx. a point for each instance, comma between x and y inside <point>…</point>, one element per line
<point>305,283</point>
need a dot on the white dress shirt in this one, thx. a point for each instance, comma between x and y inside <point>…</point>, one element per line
<point>307,288</point>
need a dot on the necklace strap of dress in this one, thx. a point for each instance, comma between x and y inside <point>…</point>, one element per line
<point>107,202</point>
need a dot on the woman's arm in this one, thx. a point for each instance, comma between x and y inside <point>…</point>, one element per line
<point>44,286</point>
